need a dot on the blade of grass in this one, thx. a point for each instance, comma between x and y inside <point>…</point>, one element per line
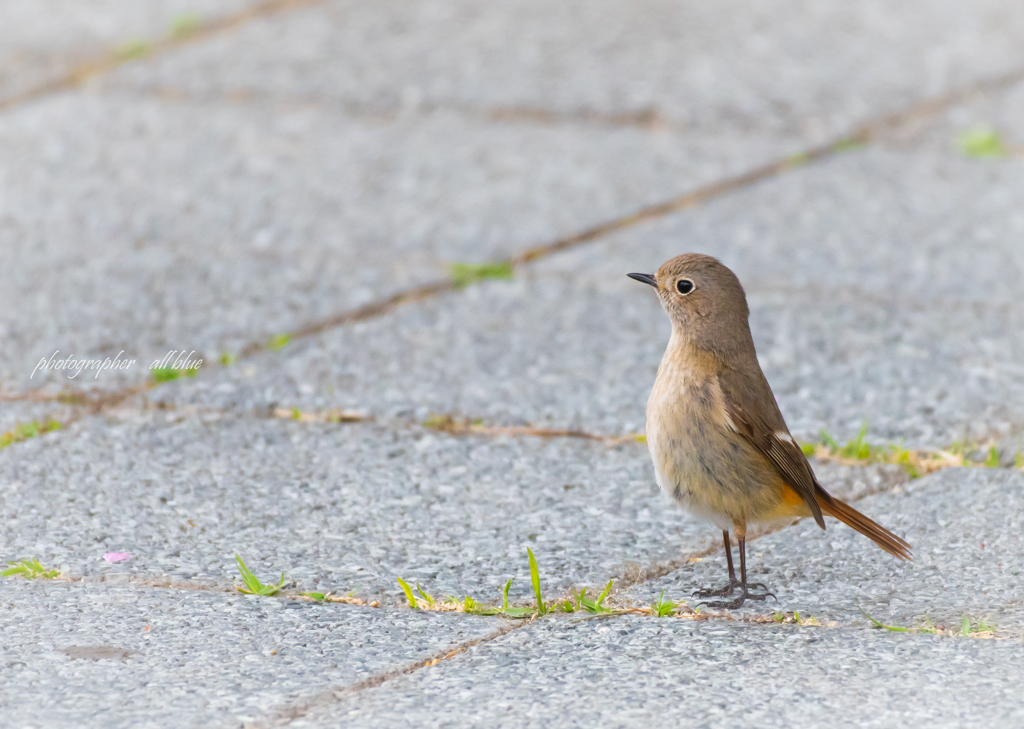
<point>891,628</point>
<point>252,584</point>
<point>596,606</point>
<point>268,590</point>
<point>408,593</point>
<point>829,441</point>
<point>535,579</point>
<point>430,600</point>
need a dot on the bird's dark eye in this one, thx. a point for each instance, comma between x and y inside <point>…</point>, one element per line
<point>684,286</point>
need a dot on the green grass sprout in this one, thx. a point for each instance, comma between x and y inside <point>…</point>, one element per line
<point>993,458</point>
<point>857,448</point>
<point>569,605</point>
<point>278,342</point>
<point>24,431</point>
<point>902,457</point>
<point>134,49</point>
<point>318,596</point>
<point>30,569</point>
<point>472,607</point>
<point>514,612</point>
<point>595,607</point>
<point>430,600</point>
<point>252,584</point>
<point>982,141</point>
<point>890,628</point>
<point>970,627</point>
<point>849,144</point>
<point>408,594</point>
<point>185,24</point>
<point>663,608</point>
<point>464,274</point>
<point>915,463</point>
<point>798,160</point>
<point>535,581</point>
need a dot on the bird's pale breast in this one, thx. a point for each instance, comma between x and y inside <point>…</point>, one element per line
<point>711,470</point>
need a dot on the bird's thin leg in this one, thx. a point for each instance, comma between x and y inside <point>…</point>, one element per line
<point>728,556</point>
<point>744,590</point>
<point>733,582</point>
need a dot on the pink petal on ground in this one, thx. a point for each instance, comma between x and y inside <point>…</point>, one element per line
<point>116,556</point>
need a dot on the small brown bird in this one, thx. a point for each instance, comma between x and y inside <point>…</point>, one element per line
<point>719,443</point>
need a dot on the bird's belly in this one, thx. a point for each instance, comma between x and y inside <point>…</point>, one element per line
<point>712,472</point>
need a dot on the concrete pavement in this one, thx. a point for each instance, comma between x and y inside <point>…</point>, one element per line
<point>228,173</point>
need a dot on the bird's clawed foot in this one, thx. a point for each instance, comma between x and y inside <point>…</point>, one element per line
<point>723,592</point>
<point>746,592</point>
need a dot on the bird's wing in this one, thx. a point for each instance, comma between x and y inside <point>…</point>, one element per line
<point>756,417</point>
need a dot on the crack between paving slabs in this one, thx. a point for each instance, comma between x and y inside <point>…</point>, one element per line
<point>298,709</point>
<point>631,576</point>
<point>649,118</point>
<point>110,61</point>
<point>861,135</point>
<point>301,707</point>
<point>916,462</point>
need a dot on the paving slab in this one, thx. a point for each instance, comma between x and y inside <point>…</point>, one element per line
<point>119,656</point>
<point>176,224</point>
<point>885,286</point>
<point>965,528</point>
<point>216,211</point>
<point>781,68</point>
<point>1001,112</point>
<point>343,507</point>
<point>634,671</point>
<point>48,40</point>
<point>347,507</point>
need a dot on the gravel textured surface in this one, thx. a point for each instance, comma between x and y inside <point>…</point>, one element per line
<point>965,526</point>
<point>230,190</point>
<point>344,507</point>
<point>782,68</point>
<point>52,38</point>
<point>868,303</point>
<point>634,671</point>
<point>115,656</point>
<point>174,223</point>
<point>309,161</point>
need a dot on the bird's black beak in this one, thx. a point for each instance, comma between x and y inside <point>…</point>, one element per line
<point>644,278</point>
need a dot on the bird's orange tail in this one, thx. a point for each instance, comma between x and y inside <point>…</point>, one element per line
<point>857,521</point>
